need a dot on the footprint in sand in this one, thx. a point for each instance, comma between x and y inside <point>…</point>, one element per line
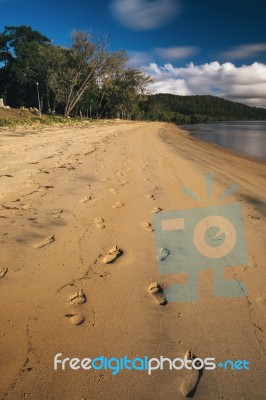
<point>44,242</point>
<point>85,199</point>
<point>156,210</point>
<point>148,226</point>
<point>259,300</point>
<point>99,222</point>
<point>89,151</point>
<point>112,254</point>
<point>118,204</point>
<point>26,207</point>
<point>190,383</point>
<point>149,196</point>
<point>117,173</point>
<point>252,262</point>
<point>156,291</point>
<point>113,190</point>
<point>76,319</point>
<point>3,271</point>
<point>59,165</point>
<point>164,253</point>
<point>77,298</point>
<point>57,213</point>
<point>124,182</point>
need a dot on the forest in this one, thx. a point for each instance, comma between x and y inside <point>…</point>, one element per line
<point>196,109</point>
<point>85,77</point>
<point>89,79</point>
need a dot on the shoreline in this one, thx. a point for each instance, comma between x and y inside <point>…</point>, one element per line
<point>87,123</point>
<point>194,135</point>
<point>226,149</point>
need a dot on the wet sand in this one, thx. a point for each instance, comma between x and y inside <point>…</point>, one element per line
<point>78,256</point>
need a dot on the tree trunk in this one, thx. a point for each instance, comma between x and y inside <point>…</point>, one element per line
<point>49,110</point>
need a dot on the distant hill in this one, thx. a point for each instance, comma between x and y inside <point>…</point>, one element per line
<point>184,109</point>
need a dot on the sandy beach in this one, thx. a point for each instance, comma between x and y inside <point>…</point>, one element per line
<point>68,195</point>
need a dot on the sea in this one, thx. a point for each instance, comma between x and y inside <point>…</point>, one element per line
<point>246,137</point>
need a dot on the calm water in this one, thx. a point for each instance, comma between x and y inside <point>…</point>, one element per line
<point>244,137</point>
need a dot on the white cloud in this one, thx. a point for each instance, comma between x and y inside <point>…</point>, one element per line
<point>137,58</point>
<point>245,51</point>
<point>246,84</point>
<point>144,14</point>
<point>170,85</point>
<point>176,53</point>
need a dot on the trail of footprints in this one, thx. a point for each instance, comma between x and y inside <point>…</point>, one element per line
<point>78,298</point>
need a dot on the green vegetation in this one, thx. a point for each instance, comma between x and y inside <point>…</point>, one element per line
<point>25,117</point>
<point>86,77</point>
<point>195,109</point>
<point>89,80</point>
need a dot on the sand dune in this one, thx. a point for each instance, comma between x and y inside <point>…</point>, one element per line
<point>78,256</point>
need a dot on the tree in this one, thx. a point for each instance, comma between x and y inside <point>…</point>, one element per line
<point>121,92</point>
<point>54,59</point>
<point>85,75</point>
<point>20,64</point>
<point>82,66</point>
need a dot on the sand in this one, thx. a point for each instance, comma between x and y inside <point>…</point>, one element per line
<point>70,196</point>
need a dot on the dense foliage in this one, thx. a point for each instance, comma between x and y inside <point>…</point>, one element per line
<point>87,78</point>
<point>186,109</point>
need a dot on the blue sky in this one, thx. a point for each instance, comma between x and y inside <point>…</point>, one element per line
<point>188,47</point>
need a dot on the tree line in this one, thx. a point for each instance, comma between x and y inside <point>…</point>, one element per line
<point>196,109</point>
<point>86,76</point>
